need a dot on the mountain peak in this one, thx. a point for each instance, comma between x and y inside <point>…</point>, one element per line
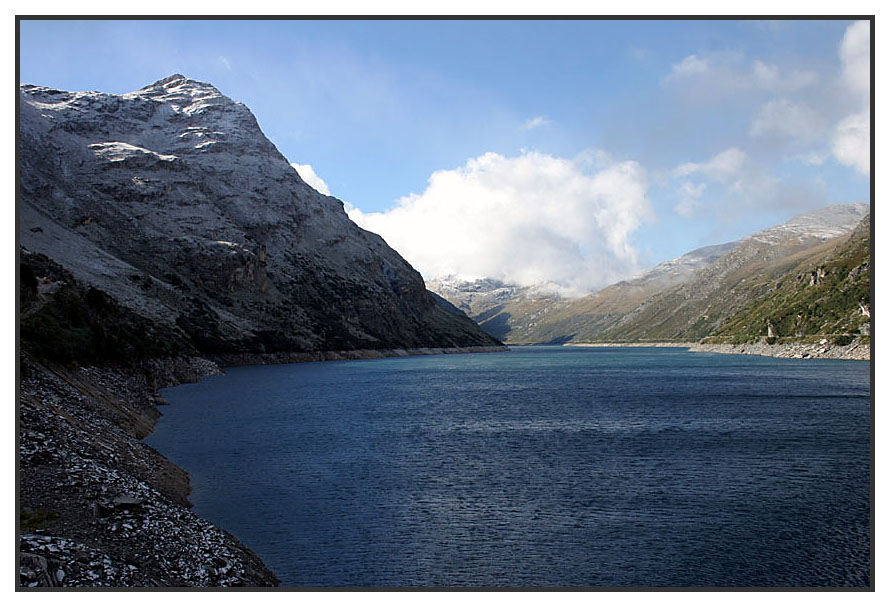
<point>179,86</point>
<point>175,80</point>
<point>169,79</point>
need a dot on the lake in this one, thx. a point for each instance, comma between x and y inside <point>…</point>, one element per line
<point>542,466</point>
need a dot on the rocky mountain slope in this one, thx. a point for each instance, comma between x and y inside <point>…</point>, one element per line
<point>826,297</point>
<point>684,299</point>
<point>500,309</point>
<point>172,202</point>
<point>698,307</point>
<point>160,229</point>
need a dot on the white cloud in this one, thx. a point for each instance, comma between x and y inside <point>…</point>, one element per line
<point>723,167</point>
<point>740,185</point>
<point>690,66</point>
<point>815,158</point>
<point>690,198</point>
<point>855,53</point>
<point>307,174</point>
<point>783,118</point>
<point>803,109</point>
<point>718,74</point>
<point>528,219</point>
<point>593,159</point>
<point>769,77</point>
<point>535,122</point>
<point>851,144</point>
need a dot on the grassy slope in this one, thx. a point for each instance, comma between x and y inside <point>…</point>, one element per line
<point>796,308</point>
<point>695,310</point>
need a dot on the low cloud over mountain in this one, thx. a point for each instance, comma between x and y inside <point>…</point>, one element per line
<point>524,220</point>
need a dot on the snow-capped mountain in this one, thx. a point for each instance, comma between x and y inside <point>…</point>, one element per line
<point>172,201</point>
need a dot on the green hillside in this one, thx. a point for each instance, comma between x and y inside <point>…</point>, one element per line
<point>823,297</point>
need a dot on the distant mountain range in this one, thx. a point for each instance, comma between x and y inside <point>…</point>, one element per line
<point>715,291</point>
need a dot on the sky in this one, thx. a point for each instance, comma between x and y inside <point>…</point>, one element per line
<point>575,152</point>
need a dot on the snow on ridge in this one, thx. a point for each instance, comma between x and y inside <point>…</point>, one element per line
<point>825,223</point>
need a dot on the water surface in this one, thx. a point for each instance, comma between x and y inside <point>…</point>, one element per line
<point>543,466</point>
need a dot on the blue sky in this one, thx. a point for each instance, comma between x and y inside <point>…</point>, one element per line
<point>561,149</point>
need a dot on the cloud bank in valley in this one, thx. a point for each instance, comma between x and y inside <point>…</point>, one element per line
<point>526,220</point>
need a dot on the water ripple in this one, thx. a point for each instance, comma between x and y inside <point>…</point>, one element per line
<point>538,467</point>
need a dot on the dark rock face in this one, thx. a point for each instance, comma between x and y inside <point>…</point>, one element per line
<point>172,201</point>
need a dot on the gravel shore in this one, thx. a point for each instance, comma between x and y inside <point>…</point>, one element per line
<point>853,351</point>
<point>99,507</point>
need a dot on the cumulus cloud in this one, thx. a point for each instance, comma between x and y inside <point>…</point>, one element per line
<point>535,122</point>
<point>785,119</point>
<point>307,174</point>
<point>851,144</point>
<point>527,220</point>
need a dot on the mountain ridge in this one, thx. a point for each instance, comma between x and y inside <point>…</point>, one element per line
<point>683,299</point>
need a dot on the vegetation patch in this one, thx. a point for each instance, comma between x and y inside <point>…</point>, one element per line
<point>70,323</point>
<point>29,520</point>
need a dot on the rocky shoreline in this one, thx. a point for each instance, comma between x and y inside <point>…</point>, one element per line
<point>636,344</point>
<point>98,506</point>
<point>853,351</point>
<point>278,358</point>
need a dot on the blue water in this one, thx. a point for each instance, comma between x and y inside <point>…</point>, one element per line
<point>543,466</point>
